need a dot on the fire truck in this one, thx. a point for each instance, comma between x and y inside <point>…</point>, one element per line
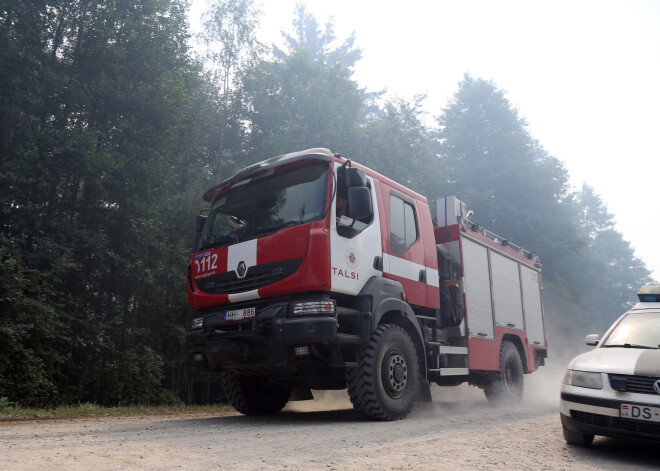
<point>313,272</point>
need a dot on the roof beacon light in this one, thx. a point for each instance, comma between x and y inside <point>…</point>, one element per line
<point>649,294</point>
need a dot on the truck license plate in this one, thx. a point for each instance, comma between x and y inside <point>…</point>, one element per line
<point>631,411</point>
<point>239,314</point>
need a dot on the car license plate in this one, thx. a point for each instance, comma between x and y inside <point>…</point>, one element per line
<point>239,314</point>
<point>632,411</point>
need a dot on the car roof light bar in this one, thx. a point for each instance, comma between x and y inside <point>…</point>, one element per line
<point>649,294</point>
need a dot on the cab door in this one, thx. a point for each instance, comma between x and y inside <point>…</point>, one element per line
<point>404,259</point>
<point>355,244</point>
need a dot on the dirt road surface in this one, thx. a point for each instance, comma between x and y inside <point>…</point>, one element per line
<point>458,431</point>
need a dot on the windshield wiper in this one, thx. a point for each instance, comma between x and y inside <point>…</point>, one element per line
<point>630,345</point>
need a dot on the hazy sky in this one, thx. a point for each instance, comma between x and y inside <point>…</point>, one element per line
<point>584,74</point>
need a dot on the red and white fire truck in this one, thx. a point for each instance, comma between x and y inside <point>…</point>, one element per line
<point>311,271</point>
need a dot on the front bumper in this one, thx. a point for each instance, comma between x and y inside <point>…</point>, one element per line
<point>267,342</point>
<point>600,416</point>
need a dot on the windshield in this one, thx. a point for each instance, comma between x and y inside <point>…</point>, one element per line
<point>636,330</point>
<point>265,204</point>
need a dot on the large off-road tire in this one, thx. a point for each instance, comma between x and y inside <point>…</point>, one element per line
<point>253,395</point>
<point>506,386</point>
<point>385,383</point>
<point>576,437</point>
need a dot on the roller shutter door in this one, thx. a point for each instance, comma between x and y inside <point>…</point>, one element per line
<point>533,307</point>
<point>476,278</point>
<point>506,292</point>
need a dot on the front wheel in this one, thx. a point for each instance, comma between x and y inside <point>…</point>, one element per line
<point>385,383</point>
<point>254,395</point>
<point>506,386</point>
<point>576,437</point>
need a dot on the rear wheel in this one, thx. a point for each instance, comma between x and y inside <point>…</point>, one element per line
<point>506,386</point>
<point>254,395</point>
<point>385,383</point>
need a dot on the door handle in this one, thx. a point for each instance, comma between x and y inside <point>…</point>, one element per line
<point>378,263</point>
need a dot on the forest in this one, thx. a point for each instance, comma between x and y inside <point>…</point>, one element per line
<point>112,125</point>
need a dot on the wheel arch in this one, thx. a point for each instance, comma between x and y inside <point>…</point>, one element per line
<point>518,343</point>
<point>388,307</point>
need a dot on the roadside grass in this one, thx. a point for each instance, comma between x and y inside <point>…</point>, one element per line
<point>10,412</point>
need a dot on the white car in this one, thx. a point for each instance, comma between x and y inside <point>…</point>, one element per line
<point>614,390</point>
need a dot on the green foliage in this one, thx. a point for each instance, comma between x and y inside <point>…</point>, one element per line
<point>319,43</point>
<point>615,273</point>
<point>94,174</point>
<point>29,330</point>
<point>514,187</point>
<point>231,46</point>
<point>299,103</point>
<point>229,37</point>
<point>110,130</point>
<point>304,97</point>
<point>396,142</point>
<point>9,412</point>
<point>519,191</point>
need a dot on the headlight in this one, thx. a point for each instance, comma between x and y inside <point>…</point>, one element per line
<point>584,379</point>
<point>197,323</point>
<point>326,307</point>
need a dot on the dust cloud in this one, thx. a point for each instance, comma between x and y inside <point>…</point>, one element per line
<point>541,392</point>
<point>542,387</point>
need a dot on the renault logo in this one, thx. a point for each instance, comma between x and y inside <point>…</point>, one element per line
<point>656,386</point>
<point>241,270</point>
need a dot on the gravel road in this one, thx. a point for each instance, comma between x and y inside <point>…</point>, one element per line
<point>458,430</point>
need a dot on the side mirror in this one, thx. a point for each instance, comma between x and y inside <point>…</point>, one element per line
<point>359,202</point>
<point>355,177</point>
<point>199,227</point>
<point>592,339</point>
<point>201,221</point>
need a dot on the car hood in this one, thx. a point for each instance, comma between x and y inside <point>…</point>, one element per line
<point>627,361</point>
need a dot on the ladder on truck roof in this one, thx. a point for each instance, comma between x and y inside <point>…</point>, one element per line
<point>450,211</point>
<point>501,240</point>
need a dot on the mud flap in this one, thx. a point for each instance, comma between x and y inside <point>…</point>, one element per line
<point>424,394</point>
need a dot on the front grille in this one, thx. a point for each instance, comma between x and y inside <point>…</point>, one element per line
<point>235,285</point>
<point>256,277</point>
<point>637,384</point>
<point>639,427</point>
<point>591,419</point>
<point>623,426</point>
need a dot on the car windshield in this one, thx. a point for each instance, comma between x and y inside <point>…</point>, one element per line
<point>264,204</point>
<point>636,330</point>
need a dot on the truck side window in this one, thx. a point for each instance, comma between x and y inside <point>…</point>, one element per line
<point>403,228</point>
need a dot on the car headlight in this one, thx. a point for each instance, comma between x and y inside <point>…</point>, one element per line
<point>197,323</point>
<point>584,379</point>
<point>326,307</point>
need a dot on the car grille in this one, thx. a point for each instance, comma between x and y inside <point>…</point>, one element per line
<point>256,277</point>
<point>622,425</point>
<point>637,384</point>
<point>236,285</point>
<point>591,419</point>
